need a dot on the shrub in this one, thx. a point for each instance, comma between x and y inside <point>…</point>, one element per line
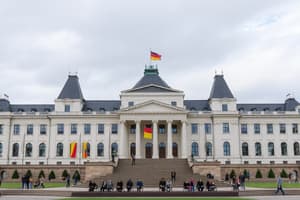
<point>232,174</point>
<point>283,174</point>
<point>258,174</point>
<point>51,176</point>
<point>41,174</point>
<point>65,174</point>
<point>271,174</point>
<point>76,175</point>
<point>28,173</point>
<point>15,175</point>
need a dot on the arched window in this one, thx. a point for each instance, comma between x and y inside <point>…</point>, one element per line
<point>59,149</point>
<point>245,151</point>
<point>42,150</point>
<point>208,149</point>
<point>195,149</point>
<point>226,149</point>
<point>100,150</point>
<point>296,149</point>
<point>257,149</point>
<point>1,149</point>
<point>15,151</point>
<point>28,150</point>
<point>114,149</point>
<point>271,150</point>
<point>283,149</point>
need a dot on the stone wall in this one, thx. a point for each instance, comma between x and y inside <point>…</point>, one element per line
<point>203,168</point>
<point>93,170</point>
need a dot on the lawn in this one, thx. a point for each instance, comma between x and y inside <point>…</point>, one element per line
<point>17,185</point>
<point>271,185</point>
<point>155,198</point>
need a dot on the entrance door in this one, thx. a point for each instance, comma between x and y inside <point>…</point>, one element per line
<point>162,150</point>
<point>148,150</point>
<point>175,150</point>
<point>132,149</point>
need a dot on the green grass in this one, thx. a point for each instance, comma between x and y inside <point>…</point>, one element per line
<point>18,185</point>
<point>155,198</point>
<point>271,185</point>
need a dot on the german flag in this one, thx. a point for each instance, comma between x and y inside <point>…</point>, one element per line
<point>84,150</point>
<point>155,56</point>
<point>148,133</point>
<point>73,149</point>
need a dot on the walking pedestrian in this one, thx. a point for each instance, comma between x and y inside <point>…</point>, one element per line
<point>279,185</point>
<point>132,159</point>
<point>173,176</point>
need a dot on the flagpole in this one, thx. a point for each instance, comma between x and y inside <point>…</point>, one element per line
<point>79,147</point>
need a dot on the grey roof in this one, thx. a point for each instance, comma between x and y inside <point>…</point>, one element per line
<point>71,89</point>
<point>152,88</point>
<point>261,107</point>
<point>96,105</point>
<point>291,104</point>
<point>197,105</point>
<point>31,107</point>
<point>4,105</point>
<point>220,88</point>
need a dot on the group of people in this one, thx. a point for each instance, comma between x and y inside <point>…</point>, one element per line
<point>109,186</point>
<point>28,183</point>
<point>238,182</point>
<point>189,185</point>
<point>165,185</point>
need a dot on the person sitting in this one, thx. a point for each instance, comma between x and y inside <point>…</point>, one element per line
<point>211,186</point>
<point>110,186</point>
<point>162,185</point>
<point>37,184</point>
<point>186,185</point>
<point>92,186</point>
<point>120,186</point>
<point>139,185</point>
<point>169,186</point>
<point>200,185</point>
<point>129,185</point>
<point>103,186</point>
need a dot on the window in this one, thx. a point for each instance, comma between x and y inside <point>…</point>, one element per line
<point>296,149</point>
<point>28,150</point>
<point>245,151</point>
<point>195,149</point>
<point>42,150</point>
<point>43,129</point>
<point>224,107</point>
<point>100,128</point>
<point>1,149</point>
<point>282,128</point>
<point>59,149</point>
<point>73,128</point>
<point>271,150</point>
<point>1,129</point>
<point>15,151</point>
<point>244,129</point>
<point>225,127</point>
<point>114,149</point>
<point>226,149</point>
<point>132,128</point>
<point>207,128</point>
<point>174,128</point>
<point>295,128</point>
<point>60,128</point>
<point>161,129</point>
<point>283,149</point>
<point>67,108</point>
<point>257,149</point>
<point>257,128</point>
<point>29,129</point>
<point>100,150</point>
<point>208,149</point>
<point>194,128</point>
<point>269,128</point>
<point>114,128</point>
<point>130,103</point>
<point>16,129</point>
<point>174,103</point>
<point>87,128</point>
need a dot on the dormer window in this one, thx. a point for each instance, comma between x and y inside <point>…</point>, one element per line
<point>20,110</point>
<point>67,108</point>
<point>173,103</point>
<point>130,103</point>
<point>253,109</point>
<point>224,107</point>
<point>33,110</point>
<point>102,109</point>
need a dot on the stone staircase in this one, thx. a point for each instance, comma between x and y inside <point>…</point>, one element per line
<point>150,171</point>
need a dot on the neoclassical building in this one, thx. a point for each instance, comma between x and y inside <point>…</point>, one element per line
<point>214,129</point>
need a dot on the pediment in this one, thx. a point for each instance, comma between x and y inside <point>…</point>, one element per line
<point>153,107</point>
<point>151,88</point>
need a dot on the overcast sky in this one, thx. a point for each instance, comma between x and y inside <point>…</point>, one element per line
<point>255,43</point>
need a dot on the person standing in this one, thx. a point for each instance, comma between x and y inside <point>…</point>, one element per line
<point>132,159</point>
<point>173,176</point>
<point>279,185</point>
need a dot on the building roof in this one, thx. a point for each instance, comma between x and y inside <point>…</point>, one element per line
<point>108,105</point>
<point>220,88</point>
<point>31,107</point>
<point>197,105</point>
<point>71,89</point>
<point>291,104</point>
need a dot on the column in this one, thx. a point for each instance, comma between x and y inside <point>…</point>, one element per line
<point>123,141</point>
<point>183,140</point>
<point>107,141</point>
<point>138,139</point>
<point>155,140</point>
<point>170,140</point>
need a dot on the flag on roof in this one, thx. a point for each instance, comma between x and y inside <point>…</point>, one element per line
<point>155,56</point>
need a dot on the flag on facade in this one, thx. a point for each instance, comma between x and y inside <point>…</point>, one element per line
<point>84,150</point>
<point>148,133</point>
<point>73,149</point>
<point>155,56</point>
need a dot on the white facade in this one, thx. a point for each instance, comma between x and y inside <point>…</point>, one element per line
<point>173,121</point>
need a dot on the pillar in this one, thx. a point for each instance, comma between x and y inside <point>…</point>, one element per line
<point>107,141</point>
<point>183,140</point>
<point>170,140</point>
<point>123,141</point>
<point>138,139</point>
<point>155,140</point>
